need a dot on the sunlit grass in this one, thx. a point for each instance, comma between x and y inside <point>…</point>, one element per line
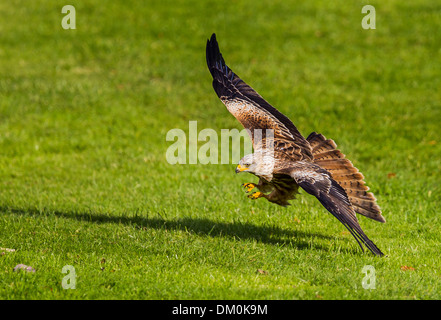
<point>84,180</point>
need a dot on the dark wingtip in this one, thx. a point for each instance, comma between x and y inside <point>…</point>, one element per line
<point>213,52</point>
<point>214,57</point>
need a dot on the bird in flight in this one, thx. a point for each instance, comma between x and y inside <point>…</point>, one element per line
<point>284,160</point>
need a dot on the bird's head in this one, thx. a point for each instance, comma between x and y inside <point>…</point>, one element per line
<point>259,164</point>
<point>247,164</point>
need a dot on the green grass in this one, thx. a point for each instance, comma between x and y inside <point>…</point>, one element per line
<point>84,180</point>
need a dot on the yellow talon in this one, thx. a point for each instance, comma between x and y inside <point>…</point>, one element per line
<point>248,186</point>
<point>255,195</point>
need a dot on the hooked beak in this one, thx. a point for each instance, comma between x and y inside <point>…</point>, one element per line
<point>239,168</point>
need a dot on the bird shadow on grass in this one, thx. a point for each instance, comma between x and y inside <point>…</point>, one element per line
<point>269,234</point>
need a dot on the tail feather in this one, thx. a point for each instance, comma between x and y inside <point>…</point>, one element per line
<point>361,194</point>
<point>327,156</point>
<point>337,166</point>
<point>319,147</point>
<point>354,185</point>
<point>346,176</point>
<point>368,213</point>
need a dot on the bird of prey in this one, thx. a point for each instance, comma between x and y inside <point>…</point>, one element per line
<point>314,164</point>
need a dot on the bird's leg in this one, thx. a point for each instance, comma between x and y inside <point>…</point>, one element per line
<point>256,195</point>
<point>248,186</point>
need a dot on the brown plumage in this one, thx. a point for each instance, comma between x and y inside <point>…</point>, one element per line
<point>327,156</point>
<point>284,160</point>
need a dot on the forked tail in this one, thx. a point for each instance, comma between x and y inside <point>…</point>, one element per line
<point>327,156</point>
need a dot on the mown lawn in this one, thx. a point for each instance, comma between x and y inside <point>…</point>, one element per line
<point>84,179</point>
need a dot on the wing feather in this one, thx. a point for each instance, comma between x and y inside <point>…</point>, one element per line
<point>319,183</point>
<point>251,110</point>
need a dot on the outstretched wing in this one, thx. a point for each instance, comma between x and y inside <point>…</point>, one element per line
<point>251,110</point>
<point>327,156</point>
<point>319,183</point>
